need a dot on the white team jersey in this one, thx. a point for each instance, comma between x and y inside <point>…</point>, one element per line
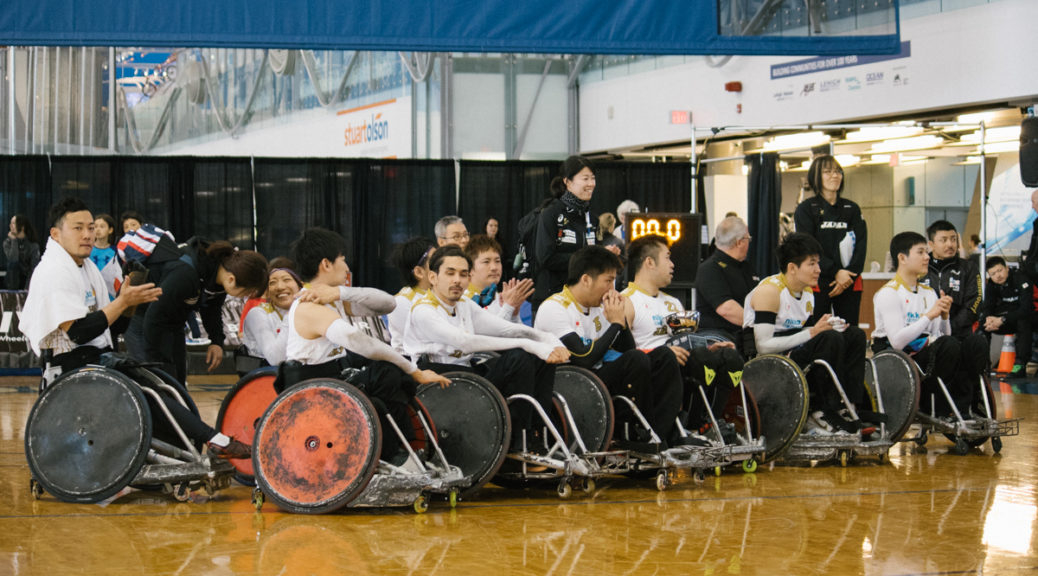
<point>897,306</point>
<point>405,299</point>
<point>264,332</point>
<point>416,342</point>
<point>649,328</point>
<point>794,309</point>
<point>560,314</point>
<point>316,351</point>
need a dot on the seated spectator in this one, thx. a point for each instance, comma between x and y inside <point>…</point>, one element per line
<point>1008,308</point>
<point>485,254</point>
<point>451,230</point>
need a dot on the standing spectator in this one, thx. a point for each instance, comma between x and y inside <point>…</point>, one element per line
<point>1007,309</point>
<point>22,252</point>
<point>837,224</point>
<point>564,226</point>
<point>103,253</point>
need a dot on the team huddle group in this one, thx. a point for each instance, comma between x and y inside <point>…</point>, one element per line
<point>301,316</point>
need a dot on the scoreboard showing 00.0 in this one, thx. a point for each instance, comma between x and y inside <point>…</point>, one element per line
<point>680,230</point>
<point>670,229</point>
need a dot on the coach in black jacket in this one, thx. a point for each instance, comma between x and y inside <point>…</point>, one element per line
<point>837,224</point>
<point>1007,308</point>
<point>959,278</point>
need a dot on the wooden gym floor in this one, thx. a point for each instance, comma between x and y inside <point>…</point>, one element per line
<point>919,513</point>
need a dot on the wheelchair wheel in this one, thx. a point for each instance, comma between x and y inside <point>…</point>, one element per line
<point>780,389</point>
<point>317,446</point>
<point>151,376</point>
<point>900,382</point>
<point>591,405</point>
<point>241,411</point>
<point>472,425</point>
<point>88,435</point>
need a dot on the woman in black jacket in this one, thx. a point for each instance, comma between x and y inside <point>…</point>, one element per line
<point>564,226</point>
<point>837,224</point>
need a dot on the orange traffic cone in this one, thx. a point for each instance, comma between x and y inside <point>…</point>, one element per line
<point>1008,355</point>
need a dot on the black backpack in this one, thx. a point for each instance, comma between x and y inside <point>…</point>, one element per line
<point>525,264</point>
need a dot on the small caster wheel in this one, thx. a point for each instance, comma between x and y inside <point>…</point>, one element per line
<point>452,498</point>
<point>923,437</point>
<point>699,476</point>
<point>182,492</point>
<point>421,504</point>
<point>35,489</point>
<point>844,457</point>
<point>749,466</point>
<point>717,471</point>
<point>662,480</point>
<point>961,447</point>
<point>210,489</point>
<point>881,457</point>
<point>588,485</point>
<point>996,444</point>
<point>564,489</point>
<point>258,498</point>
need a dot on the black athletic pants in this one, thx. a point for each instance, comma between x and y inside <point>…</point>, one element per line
<point>718,372</point>
<point>959,365</point>
<point>652,381</point>
<point>845,352</point>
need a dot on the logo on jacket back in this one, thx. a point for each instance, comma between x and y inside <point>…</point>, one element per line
<point>834,225</point>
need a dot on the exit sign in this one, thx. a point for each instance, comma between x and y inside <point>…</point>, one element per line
<point>680,117</point>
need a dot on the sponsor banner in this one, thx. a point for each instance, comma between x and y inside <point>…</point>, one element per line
<point>11,338</point>
<point>1009,209</point>
<point>822,64</point>
<point>379,130</point>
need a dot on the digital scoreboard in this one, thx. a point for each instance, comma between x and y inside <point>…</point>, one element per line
<point>681,230</point>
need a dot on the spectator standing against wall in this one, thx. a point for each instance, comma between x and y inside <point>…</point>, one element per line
<point>22,252</point>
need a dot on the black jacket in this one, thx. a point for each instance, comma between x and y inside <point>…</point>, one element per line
<point>829,224</point>
<point>188,281</point>
<point>960,279</point>
<point>1013,301</point>
<point>561,231</point>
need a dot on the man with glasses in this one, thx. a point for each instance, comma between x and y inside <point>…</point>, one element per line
<point>724,279</point>
<point>451,230</point>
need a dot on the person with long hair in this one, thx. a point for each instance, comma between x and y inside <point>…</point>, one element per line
<point>837,224</point>
<point>104,255</point>
<point>199,277</point>
<point>22,252</point>
<point>564,226</point>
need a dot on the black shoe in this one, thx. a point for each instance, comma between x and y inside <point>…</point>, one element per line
<point>838,422</point>
<point>234,450</point>
<point>870,417</point>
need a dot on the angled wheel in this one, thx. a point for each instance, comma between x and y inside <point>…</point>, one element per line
<point>316,447</point>
<point>900,383</point>
<point>780,390</point>
<point>88,435</point>
<point>591,405</point>
<point>241,411</point>
<point>472,425</point>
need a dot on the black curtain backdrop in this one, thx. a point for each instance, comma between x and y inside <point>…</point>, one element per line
<point>765,200</point>
<point>505,191</point>
<point>397,199</point>
<point>264,203</point>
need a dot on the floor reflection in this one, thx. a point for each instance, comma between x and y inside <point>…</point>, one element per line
<point>918,513</point>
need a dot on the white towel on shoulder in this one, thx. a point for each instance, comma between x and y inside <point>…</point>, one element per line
<point>58,293</point>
